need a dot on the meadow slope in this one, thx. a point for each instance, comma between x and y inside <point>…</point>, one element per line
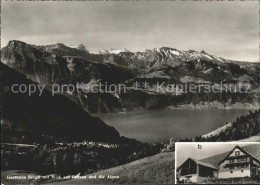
<point>157,169</point>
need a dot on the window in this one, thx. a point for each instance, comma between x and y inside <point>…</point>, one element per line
<point>237,153</point>
<point>238,160</point>
<point>231,160</point>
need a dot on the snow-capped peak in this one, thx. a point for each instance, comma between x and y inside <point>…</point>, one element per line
<point>79,47</point>
<point>117,51</point>
<point>113,51</point>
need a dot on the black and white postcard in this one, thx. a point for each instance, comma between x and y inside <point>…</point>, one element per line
<point>100,91</point>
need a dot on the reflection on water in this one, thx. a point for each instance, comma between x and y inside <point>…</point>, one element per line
<point>161,125</point>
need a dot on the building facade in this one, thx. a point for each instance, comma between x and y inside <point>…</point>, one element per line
<point>195,171</point>
<point>237,164</point>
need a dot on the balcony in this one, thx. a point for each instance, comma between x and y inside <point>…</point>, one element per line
<point>236,164</point>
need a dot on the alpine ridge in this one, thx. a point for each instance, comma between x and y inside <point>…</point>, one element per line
<point>61,64</point>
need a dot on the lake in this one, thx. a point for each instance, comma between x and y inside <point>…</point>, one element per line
<point>161,125</point>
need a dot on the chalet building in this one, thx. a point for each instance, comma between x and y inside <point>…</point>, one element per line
<point>238,163</point>
<point>195,171</point>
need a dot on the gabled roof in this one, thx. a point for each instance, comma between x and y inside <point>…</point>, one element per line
<point>199,163</point>
<point>241,149</point>
<point>204,164</point>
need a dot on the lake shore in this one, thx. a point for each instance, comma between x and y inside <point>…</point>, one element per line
<point>217,105</point>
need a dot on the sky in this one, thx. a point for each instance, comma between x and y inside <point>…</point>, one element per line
<point>186,150</point>
<point>227,29</point>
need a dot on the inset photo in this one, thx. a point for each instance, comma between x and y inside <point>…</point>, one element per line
<point>217,163</point>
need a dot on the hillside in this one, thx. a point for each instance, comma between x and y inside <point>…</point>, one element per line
<point>158,169</point>
<point>243,127</point>
<point>46,114</point>
<point>251,139</point>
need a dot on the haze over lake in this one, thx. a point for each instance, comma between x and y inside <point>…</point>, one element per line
<point>161,125</point>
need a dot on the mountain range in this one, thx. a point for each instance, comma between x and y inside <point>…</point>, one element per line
<point>61,64</point>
